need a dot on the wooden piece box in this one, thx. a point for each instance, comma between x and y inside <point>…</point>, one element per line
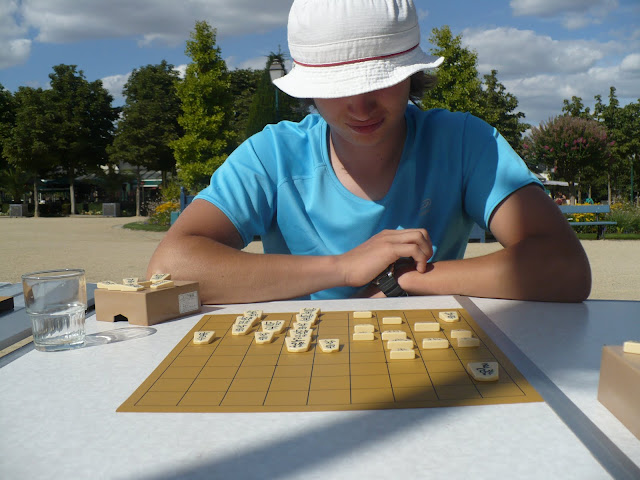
<point>619,386</point>
<point>148,307</point>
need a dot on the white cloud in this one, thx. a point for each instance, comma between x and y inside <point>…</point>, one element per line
<point>631,63</point>
<point>574,14</point>
<point>551,8</point>
<point>14,46</point>
<point>114,85</point>
<point>14,52</point>
<point>154,21</point>
<point>541,71</point>
<point>516,52</point>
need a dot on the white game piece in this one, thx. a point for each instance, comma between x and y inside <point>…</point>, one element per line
<point>362,315</point>
<point>240,328</point>
<point>301,332</point>
<point>449,316</point>
<point>310,311</point>
<point>329,345</point>
<point>310,319</point>
<point>364,328</point>
<point>391,320</point>
<point>145,283</point>
<point>131,288</point>
<point>275,326</point>
<point>257,314</point>
<point>484,371</point>
<point>296,346</point>
<point>302,324</point>
<point>162,284</point>
<point>105,284</point>
<point>245,318</point>
<point>631,346</point>
<point>263,337</point>
<point>468,342</point>
<point>394,335</point>
<point>426,327</point>
<point>399,344</point>
<point>461,333</point>
<point>158,277</point>
<point>203,337</point>
<point>434,343</point>
<point>114,286</point>
<point>130,281</point>
<point>363,336</point>
<point>402,354</point>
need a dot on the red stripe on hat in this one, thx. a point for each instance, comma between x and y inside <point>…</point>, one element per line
<point>355,61</point>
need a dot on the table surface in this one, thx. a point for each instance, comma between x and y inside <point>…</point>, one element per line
<point>58,410</point>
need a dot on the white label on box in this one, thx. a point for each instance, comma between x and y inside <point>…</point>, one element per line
<point>188,302</point>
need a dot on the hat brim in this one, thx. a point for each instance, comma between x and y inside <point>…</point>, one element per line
<point>354,78</point>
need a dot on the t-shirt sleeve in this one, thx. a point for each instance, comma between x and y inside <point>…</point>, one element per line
<point>243,189</point>
<point>492,170</point>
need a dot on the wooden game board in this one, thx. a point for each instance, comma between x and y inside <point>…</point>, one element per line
<point>234,374</point>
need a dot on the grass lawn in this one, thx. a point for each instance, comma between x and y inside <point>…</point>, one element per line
<point>147,227</point>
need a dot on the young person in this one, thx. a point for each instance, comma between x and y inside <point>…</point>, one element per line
<point>370,196</point>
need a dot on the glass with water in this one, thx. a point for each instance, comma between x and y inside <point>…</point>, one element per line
<point>56,301</point>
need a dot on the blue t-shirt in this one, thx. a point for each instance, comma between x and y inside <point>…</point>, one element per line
<point>279,184</point>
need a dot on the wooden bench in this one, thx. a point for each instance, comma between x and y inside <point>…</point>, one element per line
<point>585,209</point>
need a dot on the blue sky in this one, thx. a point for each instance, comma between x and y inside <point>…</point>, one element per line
<point>544,50</point>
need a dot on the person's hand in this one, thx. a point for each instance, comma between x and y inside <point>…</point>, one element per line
<point>362,264</point>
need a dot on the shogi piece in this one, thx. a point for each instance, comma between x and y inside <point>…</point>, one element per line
<point>204,337</point>
<point>449,317</point>
<point>619,386</point>
<point>148,307</point>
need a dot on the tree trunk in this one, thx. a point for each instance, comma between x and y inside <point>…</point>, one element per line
<point>72,194</point>
<point>138,200</point>
<point>608,188</point>
<point>36,210</point>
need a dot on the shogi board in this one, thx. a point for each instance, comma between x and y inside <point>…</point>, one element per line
<point>234,374</point>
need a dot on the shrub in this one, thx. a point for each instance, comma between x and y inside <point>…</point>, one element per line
<point>162,212</point>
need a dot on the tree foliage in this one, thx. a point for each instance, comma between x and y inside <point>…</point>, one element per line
<point>460,89</point>
<point>207,112</point>
<point>271,105</point>
<point>568,146</point>
<point>149,122</point>
<point>82,123</point>
<point>28,146</point>
<point>244,83</point>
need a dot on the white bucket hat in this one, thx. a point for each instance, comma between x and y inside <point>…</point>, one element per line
<point>342,48</point>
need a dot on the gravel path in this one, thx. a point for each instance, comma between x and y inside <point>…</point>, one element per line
<point>109,252</point>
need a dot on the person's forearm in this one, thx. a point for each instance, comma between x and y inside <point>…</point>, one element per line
<point>534,269</point>
<point>227,275</point>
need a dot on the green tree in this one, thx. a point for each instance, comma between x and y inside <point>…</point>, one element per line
<point>244,83</point>
<point>458,88</point>
<point>7,121</point>
<point>627,145</point>
<point>207,111</point>
<point>27,147</point>
<point>575,108</point>
<point>271,105</point>
<point>568,145</point>
<point>149,123</point>
<point>497,107</point>
<point>82,123</point>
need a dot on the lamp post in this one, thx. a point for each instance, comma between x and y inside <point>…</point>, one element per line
<point>276,70</point>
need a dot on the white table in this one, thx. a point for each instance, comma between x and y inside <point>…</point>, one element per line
<point>58,410</point>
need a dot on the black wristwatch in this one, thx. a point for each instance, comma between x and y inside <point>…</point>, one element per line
<point>388,284</point>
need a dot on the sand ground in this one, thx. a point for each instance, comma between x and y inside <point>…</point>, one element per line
<point>109,252</point>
